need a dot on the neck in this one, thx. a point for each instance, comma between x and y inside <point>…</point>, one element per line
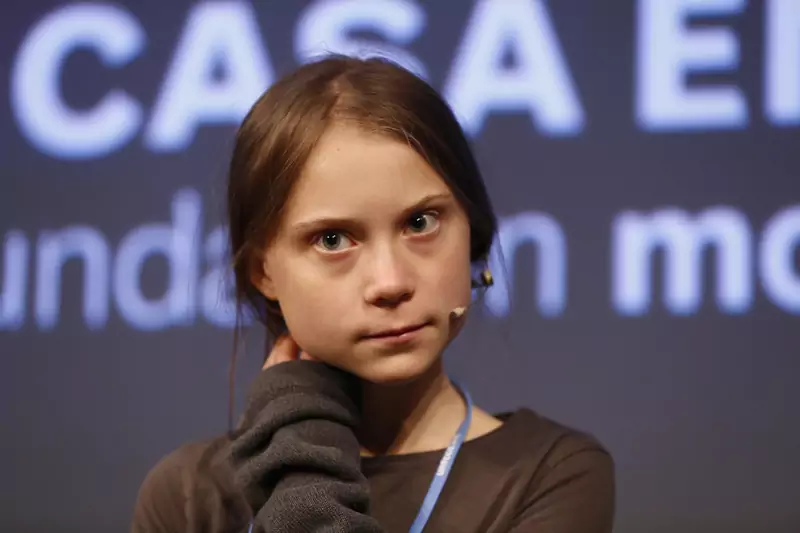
<point>419,416</point>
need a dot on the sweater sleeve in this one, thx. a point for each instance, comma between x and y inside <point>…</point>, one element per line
<point>296,458</point>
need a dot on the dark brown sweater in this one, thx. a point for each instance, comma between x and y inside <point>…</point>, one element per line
<point>295,466</point>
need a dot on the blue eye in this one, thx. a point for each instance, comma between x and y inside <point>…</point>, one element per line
<point>423,222</point>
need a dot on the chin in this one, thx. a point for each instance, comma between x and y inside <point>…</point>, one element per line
<point>398,368</point>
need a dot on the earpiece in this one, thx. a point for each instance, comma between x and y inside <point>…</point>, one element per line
<point>484,280</point>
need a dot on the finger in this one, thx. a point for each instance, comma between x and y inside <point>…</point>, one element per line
<point>285,349</point>
<point>305,357</point>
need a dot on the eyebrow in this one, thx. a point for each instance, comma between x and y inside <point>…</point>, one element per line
<point>342,222</point>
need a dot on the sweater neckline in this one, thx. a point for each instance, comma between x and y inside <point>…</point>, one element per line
<point>377,461</point>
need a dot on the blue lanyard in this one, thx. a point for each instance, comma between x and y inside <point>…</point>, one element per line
<point>442,471</point>
<point>445,464</point>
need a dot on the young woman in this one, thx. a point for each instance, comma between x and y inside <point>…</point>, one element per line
<point>358,220</point>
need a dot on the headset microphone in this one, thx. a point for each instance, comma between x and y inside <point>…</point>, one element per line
<point>484,281</point>
<point>458,312</point>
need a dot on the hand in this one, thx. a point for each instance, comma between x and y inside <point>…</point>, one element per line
<point>285,349</point>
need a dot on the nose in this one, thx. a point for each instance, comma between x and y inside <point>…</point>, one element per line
<point>390,279</point>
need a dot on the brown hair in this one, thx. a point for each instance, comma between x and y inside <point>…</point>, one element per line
<point>285,124</point>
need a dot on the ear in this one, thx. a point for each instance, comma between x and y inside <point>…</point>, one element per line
<point>261,279</point>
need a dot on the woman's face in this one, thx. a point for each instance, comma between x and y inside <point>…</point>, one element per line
<point>372,243</point>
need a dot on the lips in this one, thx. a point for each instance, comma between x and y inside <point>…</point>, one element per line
<point>396,332</point>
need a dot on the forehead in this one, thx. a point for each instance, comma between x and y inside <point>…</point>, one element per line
<point>353,173</point>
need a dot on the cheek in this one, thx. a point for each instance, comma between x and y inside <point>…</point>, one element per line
<point>312,309</point>
<point>453,274</point>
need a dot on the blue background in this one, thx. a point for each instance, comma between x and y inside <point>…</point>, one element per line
<point>687,374</point>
